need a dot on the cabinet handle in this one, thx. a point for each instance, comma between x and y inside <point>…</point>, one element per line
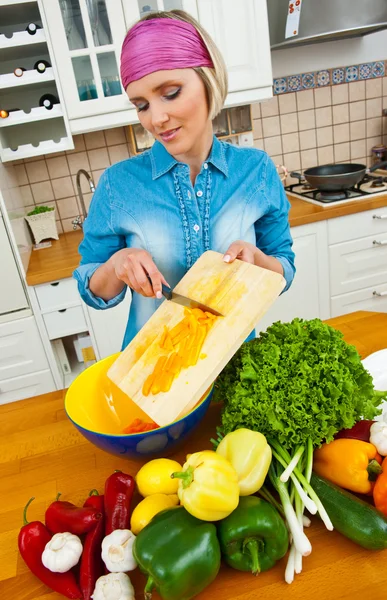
<point>380,294</point>
<point>55,284</point>
<point>62,310</point>
<point>379,216</point>
<point>382,243</point>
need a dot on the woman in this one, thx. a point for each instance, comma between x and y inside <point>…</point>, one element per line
<point>153,215</point>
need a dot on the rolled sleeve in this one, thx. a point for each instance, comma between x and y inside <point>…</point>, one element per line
<point>83,275</point>
<point>272,230</point>
<point>99,243</point>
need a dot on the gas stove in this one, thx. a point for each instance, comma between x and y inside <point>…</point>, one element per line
<point>373,184</point>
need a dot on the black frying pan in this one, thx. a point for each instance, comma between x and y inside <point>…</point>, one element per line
<point>336,178</point>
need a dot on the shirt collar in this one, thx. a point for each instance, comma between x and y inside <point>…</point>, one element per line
<point>162,161</point>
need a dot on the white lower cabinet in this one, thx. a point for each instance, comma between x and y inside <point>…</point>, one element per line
<point>26,386</point>
<point>373,299</point>
<point>21,349</point>
<point>109,326</point>
<point>24,368</point>
<point>358,262</point>
<point>308,296</point>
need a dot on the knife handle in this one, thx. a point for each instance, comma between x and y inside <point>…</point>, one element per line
<point>165,290</point>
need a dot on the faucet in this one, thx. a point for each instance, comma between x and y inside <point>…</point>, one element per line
<point>78,221</point>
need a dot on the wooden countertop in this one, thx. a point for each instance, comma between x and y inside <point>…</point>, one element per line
<point>56,262</point>
<point>60,260</point>
<point>41,454</point>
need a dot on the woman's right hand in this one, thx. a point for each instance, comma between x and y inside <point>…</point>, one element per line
<point>133,266</point>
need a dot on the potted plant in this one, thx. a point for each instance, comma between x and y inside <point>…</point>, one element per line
<point>42,223</point>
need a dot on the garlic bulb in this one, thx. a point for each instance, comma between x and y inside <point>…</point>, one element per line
<point>115,586</point>
<point>62,552</point>
<point>117,551</point>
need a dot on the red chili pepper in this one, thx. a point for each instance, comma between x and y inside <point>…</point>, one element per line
<point>65,516</point>
<point>32,540</point>
<point>119,489</point>
<point>360,431</point>
<point>92,567</point>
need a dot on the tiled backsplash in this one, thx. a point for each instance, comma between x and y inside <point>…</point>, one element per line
<point>330,123</point>
<point>50,180</point>
<point>327,123</point>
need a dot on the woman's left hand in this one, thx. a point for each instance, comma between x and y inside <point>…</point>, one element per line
<point>241,250</point>
<point>251,254</point>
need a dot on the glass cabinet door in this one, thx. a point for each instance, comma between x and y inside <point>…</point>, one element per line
<point>87,37</point>
<point>87,27</point>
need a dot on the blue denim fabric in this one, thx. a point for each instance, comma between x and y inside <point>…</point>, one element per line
<point>149,202</point>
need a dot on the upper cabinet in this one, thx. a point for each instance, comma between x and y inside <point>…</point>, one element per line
<point>33,117</point>
<point>87,36</point>
<point>240,30</point>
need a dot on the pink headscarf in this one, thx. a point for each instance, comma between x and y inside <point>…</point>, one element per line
<point>161,44</point>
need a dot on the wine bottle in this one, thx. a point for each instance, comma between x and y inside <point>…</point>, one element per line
<point>41,65</point>
<point>18,72</point>
<point>4,113</point>
<point>48,101</point>
<point>32,28</point>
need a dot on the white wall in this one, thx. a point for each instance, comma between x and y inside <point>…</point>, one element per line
<point>327,55</point>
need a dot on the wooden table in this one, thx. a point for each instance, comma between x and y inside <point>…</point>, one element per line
<point>41,454</point>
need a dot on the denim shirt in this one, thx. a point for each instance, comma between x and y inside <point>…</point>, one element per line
<point>149,202</point>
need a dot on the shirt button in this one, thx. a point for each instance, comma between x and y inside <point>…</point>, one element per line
<point>199,194</point>
<point>205,165</point>
<point>196,228</point>
<point>188,195</point>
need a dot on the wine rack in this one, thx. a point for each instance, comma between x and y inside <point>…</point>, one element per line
<point>29,129</point>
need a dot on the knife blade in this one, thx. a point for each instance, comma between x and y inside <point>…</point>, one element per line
<point>169,294</point>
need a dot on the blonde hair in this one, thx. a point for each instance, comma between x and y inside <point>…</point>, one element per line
<point>215,79</point>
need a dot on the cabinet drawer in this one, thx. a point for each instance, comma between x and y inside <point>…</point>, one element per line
<point>58,294</point>
<point>366,299</point>
<point>21,349</point>
<point>358,264</point>
<point>362,224</point>
<point>65,322</point>
<point>26,386</point>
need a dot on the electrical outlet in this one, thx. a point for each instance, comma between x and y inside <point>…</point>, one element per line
<point>246,139</point>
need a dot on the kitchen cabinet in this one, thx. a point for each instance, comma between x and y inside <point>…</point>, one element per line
<point>87,36</point>
<point>28,127</point>
<point>24,368</point>
<point>67,324</point>
<point>358,262</point>
<point>308,297</point>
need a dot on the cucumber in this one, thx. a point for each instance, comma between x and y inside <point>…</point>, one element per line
<point>354,518</point>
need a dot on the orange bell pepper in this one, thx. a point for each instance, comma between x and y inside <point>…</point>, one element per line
<point>351,464</point>
<point>380,490</point>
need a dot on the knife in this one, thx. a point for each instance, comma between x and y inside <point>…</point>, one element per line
<point>169,294</point>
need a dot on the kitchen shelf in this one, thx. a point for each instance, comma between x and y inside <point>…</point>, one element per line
<point>39,113</point>
<point>22,38</point>
<point>9,80</point>
<point>44,147</point>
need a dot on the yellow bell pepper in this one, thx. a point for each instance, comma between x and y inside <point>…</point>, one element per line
<point>250,455</point>
<point>208,486</point>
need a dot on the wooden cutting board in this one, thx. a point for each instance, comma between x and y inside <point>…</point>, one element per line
<point>240,291</point>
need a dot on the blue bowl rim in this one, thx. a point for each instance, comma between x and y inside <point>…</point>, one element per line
<point>141,433</point>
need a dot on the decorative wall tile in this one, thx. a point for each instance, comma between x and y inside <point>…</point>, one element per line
<point>323,78</point>
<point>294,83</point>
<point>365,70</point>
<point>378,69</point>
<point>351,73</point>
<point>308,81</point>
<point>329,77</point>
<point>338,76</point>
<point>280,85</point>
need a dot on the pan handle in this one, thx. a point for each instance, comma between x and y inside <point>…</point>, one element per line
<point>297,176</point>
<point>378,166</point>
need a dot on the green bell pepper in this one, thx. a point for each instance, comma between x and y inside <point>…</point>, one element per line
<point>179,554</point>
<point>253,537</point>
